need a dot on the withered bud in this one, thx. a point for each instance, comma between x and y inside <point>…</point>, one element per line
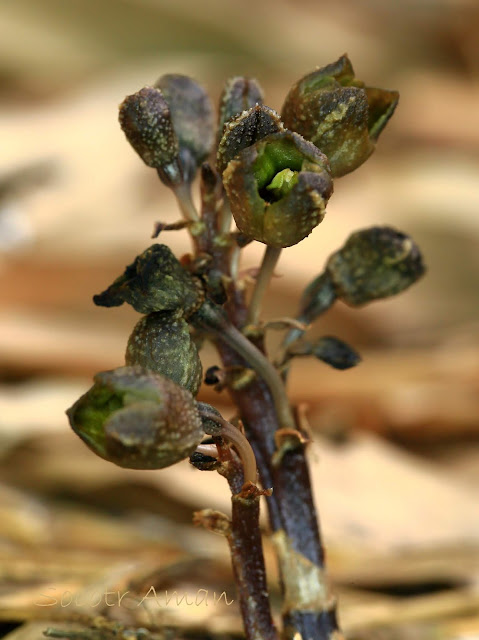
<point>374,263</point>
<point>239,94</point>
<point>246,129</point>
<point>336,353</point>
<point>204,462</point>
<point>146,121</point>
<point>278,189</point>
<point>155,281</point>
<point>193,119</point>
<point>161,342</point>
<point>339,114</point>
<point>331,350</point>
<point>137,419</point>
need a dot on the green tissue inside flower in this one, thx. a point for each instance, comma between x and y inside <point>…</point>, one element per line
<point>276,168</point>
<point>282,183</point>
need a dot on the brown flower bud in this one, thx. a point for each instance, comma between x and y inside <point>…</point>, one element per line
<point>155,281</point>
<point>239,94</point>
<point>192,114</point>
<point>278,189</point>
<point>377,262</point>
<point>339,114</point>
<point>146,121</point>
<point>161,342</point>
<point>137,419</point>
<point>246,129</point>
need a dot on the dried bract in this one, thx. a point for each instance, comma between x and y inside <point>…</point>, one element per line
<point>155,281</point>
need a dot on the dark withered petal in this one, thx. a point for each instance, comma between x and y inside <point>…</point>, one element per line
<point>239,94</point>
<point>155,281</point>
<point>246,129</point>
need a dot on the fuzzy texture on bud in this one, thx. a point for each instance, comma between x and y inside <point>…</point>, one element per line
<point>239,94</point>
<point>161,342</point>
<point>339,114</point>
<point>155,281</point>
<point>193,119</point>
<point>146,121</point>
<point>137,419</point>
<point>377,262</point>
<point>278,189</point>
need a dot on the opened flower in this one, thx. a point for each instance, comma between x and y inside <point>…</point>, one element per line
<point>278,189</point>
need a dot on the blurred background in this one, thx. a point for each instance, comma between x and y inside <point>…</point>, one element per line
<point>395,458</point>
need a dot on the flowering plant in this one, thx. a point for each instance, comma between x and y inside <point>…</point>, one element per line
<point>274,176</point>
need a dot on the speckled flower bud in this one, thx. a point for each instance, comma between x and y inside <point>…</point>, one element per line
<point>193,119</point>
<point>239,94</point>
<point>155,281</point>
<point>278,189</point>
<point>137,419</point>
<point>246,129</point>
<point>146,121</point>
<point>339,114</point>
<point>377,262</point>
<point>161,342</point>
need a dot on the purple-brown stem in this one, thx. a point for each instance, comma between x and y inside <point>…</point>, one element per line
<point>310,611</point>
<point>308,608</point>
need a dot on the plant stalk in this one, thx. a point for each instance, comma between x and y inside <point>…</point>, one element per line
<point>270,260</point>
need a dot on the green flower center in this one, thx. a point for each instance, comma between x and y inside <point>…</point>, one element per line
<point>276,169</point>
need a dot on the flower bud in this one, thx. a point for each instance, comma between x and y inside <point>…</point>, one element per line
<point>246,129</point>
<point>192,114</point>
<point>137,419</point>
<point>161,342</point>
<point>278,189</point>
<point>239,94</point>
<point>377,262</point>
<point>155,281</point>
<point>339,114</point>
<point>146,121</point>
